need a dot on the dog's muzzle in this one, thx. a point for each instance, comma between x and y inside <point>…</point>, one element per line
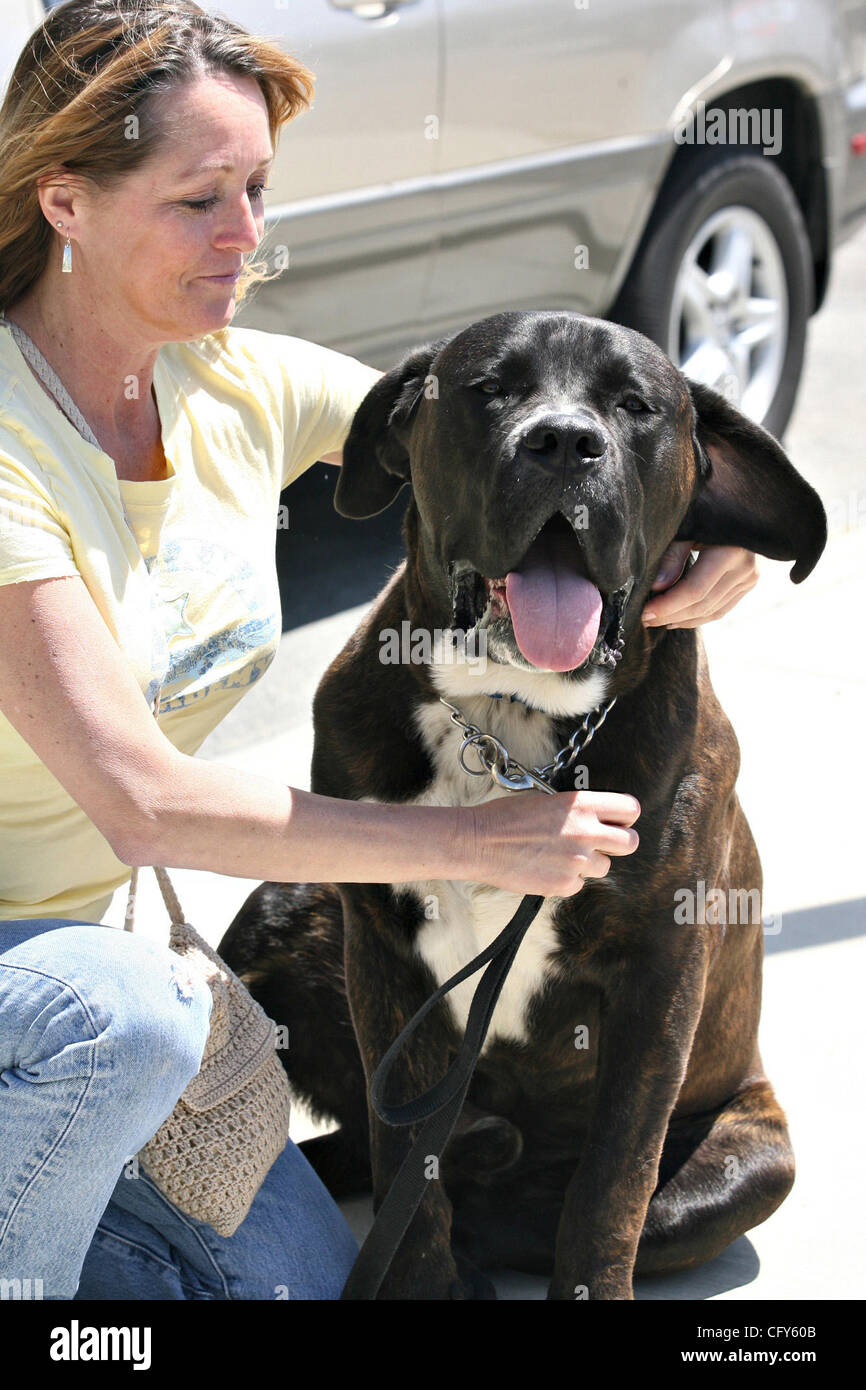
<point>547,611</point>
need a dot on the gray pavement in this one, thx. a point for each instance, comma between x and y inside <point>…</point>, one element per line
<point>788,666</point>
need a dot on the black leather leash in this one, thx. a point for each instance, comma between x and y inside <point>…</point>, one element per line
<point>440,1105</point>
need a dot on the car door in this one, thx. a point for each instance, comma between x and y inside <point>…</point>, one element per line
<point>350,204</point>
<point>555,133</point>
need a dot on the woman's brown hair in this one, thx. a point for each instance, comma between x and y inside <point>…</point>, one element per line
<point>88,68</point>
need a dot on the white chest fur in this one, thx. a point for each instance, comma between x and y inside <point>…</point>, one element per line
<point>464,917</point>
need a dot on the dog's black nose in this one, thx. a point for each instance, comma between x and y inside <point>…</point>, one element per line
<point>569,438</point>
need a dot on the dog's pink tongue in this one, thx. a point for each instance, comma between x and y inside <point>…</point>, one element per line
<point>555,612</point>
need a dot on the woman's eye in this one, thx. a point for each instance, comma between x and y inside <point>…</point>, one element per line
<point>634,404</point>
<point>205,204</point>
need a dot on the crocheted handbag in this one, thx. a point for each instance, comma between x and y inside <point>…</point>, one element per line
<point>211,1155</point>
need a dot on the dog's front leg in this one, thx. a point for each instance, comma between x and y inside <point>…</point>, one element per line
<point>649,1012</point>
<point>385,989</point>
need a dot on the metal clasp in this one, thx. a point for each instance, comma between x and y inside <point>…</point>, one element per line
<point>496,760</point>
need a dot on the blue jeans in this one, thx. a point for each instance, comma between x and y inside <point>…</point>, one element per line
<point>98,1039</point>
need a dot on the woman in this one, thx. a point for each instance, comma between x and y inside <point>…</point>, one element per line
<point>140,563</point>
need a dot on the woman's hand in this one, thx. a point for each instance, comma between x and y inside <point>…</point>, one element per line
<point>717,580</point>
<point>529,842</point>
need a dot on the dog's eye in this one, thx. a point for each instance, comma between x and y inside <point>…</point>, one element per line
<point>634,404</point>
<point>489,386</point>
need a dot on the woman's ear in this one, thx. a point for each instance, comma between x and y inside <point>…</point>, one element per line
<point>749,493</point>
<point>376,452</point>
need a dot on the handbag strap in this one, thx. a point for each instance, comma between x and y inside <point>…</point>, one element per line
<point>169,897</point>
<point>43,369</point>
<point>166,887</point>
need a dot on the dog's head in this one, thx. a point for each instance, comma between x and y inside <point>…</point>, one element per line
<point>552,459</point>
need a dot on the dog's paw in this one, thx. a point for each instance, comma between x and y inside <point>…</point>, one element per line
<point>483,1149</point>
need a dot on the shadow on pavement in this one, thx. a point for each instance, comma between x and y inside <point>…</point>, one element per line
<point>734,1268</point>
<point>816,926</point>
<point>325,562</point>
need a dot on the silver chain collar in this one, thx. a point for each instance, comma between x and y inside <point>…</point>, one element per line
<point>495,757</point>
<point>507,771</point>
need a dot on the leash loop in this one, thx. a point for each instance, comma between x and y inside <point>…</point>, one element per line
<point>439,1107</point>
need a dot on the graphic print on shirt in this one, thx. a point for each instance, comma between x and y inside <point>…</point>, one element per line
<point>213,611</point>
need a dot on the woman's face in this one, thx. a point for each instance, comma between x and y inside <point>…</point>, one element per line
<point>147,248</point>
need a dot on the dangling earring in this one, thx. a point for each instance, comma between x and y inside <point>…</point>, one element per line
<point>66,266</point>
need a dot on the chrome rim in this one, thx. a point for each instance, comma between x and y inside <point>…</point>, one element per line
<point>728,323</point>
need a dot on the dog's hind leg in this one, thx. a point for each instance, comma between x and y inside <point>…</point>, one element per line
<point>286,944</point>
<point>720,1175</point>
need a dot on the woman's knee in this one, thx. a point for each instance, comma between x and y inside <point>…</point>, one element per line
<point>155,1012</point>
<point>108,1000</point>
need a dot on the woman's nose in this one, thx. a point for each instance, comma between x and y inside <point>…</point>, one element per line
<point>240,227</point>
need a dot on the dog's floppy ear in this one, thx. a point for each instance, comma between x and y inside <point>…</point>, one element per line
<point>376,451</point>
<point>751,494</point>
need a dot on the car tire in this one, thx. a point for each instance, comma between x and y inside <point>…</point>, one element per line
<point>700,228</point>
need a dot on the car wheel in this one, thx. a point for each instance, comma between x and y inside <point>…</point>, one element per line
<point>723,281</point>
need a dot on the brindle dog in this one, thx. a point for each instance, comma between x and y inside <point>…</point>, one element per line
<point>619,1118</point>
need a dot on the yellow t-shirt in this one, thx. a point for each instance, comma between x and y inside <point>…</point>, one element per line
<point>182,570</point>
